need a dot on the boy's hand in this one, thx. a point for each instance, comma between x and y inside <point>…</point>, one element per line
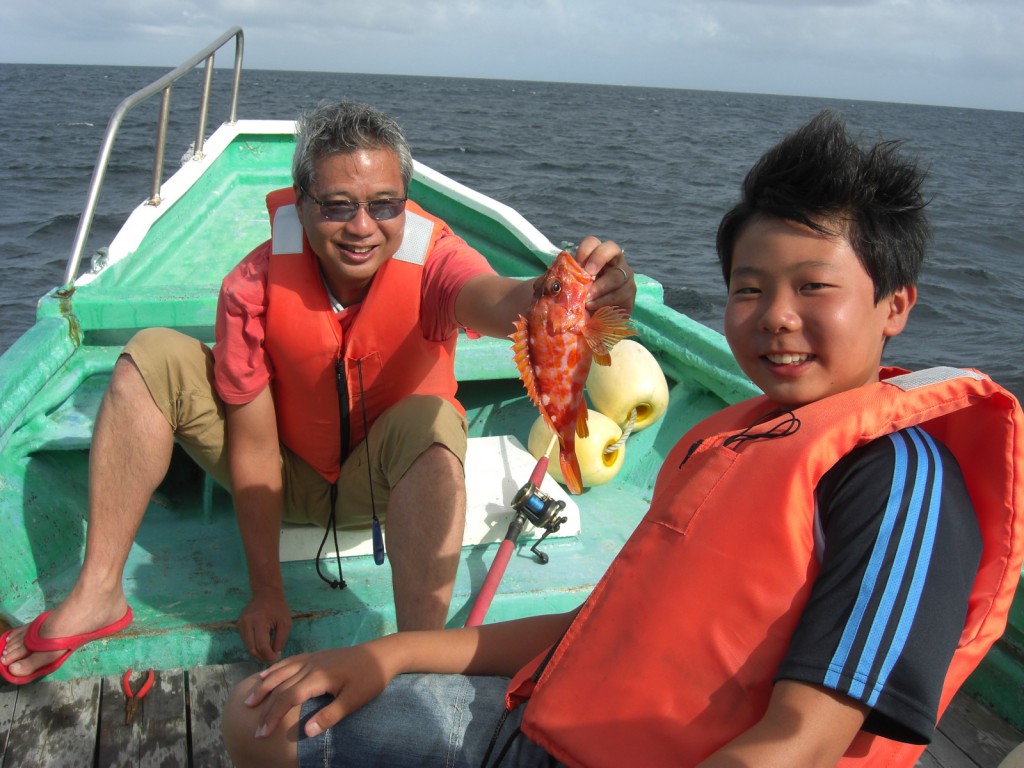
<point>353,675</point>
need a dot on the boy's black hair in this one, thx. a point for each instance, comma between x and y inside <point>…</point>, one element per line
<point>819,177</point>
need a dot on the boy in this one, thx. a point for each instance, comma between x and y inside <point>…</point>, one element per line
<point>874,569</point>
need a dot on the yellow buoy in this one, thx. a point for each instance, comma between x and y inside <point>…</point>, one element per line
<point>596,467</point>
<point>633,380</point>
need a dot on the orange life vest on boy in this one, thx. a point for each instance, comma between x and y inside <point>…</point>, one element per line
<point>674,653</point>
<point>383,358</point>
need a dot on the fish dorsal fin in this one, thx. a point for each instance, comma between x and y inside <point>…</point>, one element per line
<point>521,354</point>
<point>606,328</point>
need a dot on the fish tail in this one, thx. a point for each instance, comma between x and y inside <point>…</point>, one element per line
<point>570,467</point>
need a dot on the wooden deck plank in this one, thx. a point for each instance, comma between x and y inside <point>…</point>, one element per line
<point>208,690</point>
<point>8,698</point>
<point>165,722</point>
<point>159,733</point>
<point>970,736</point>
<point>68,724</point>
<point>943,753</point>
<point>990,738</point>
<point>54,724</point>
<point>118,743</point>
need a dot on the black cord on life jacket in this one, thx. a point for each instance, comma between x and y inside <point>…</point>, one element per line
<point>332,520</point>
<point>378,537</point>
<point>506,712</point>
<point>332,526</point>
<point>552,762</point>
<point>783,428</point>
<point>787,425</point>
<point>341,384</point>
<point>494,739</point>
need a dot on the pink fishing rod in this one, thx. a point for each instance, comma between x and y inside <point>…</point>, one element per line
<point>530,503</point>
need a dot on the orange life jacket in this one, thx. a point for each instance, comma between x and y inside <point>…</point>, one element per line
<point>385,354</point>
<point>674,653</point>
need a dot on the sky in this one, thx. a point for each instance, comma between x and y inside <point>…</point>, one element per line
<point>959,53</point>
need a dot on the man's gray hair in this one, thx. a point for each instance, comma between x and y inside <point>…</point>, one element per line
<point>341,128</point>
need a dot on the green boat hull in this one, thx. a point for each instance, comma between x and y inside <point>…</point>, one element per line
<point>186,575</point>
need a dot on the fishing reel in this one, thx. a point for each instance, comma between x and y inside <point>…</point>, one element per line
<point>541,510</point>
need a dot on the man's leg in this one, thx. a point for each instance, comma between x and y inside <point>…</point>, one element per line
<point>425,523</point>
<point>416,451</point>
<point>163,378</point>
<point>130,454</point>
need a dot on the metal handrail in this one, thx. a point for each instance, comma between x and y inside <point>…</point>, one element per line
<point>162,85</point>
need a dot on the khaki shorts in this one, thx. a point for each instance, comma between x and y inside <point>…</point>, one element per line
<point>179,373</point>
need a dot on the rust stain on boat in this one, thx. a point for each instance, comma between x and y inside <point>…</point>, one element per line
<point>214,626</point>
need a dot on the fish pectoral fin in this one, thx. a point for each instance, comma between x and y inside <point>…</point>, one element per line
<point>606,328</point>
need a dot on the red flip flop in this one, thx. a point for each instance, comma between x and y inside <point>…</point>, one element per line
<point>35,643</point>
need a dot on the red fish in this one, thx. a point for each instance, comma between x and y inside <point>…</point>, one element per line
<point>553,349</point>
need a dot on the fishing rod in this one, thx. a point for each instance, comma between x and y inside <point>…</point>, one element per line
<point>530,504</point>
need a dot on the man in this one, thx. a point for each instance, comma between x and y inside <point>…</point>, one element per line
<point>339,327</point>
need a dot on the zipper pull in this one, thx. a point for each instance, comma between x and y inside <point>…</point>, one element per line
<point>378,542</point>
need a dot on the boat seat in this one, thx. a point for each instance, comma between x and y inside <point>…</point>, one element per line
<point>496,468</point>
<point>484,359</point>
<point>63,416</point>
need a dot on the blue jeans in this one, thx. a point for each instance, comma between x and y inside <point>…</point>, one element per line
<point>420,720</point>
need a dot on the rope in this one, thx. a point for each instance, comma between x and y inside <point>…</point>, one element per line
<point>625,433</point>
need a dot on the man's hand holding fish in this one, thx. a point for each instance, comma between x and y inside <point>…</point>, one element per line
<point>613,284</point>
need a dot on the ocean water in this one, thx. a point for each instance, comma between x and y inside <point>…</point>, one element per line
<point>653,169</point>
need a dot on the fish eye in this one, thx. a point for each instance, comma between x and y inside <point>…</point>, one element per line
<point>555,287</point>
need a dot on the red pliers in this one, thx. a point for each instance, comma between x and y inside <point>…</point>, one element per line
<point>132,699</point>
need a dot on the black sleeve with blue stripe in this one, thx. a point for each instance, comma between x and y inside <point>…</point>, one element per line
<point>901,548</point>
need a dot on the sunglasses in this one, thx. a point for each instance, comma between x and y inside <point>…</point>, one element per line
<point>345,210</point>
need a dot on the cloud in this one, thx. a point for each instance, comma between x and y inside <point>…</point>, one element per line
<point>957,52</point>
